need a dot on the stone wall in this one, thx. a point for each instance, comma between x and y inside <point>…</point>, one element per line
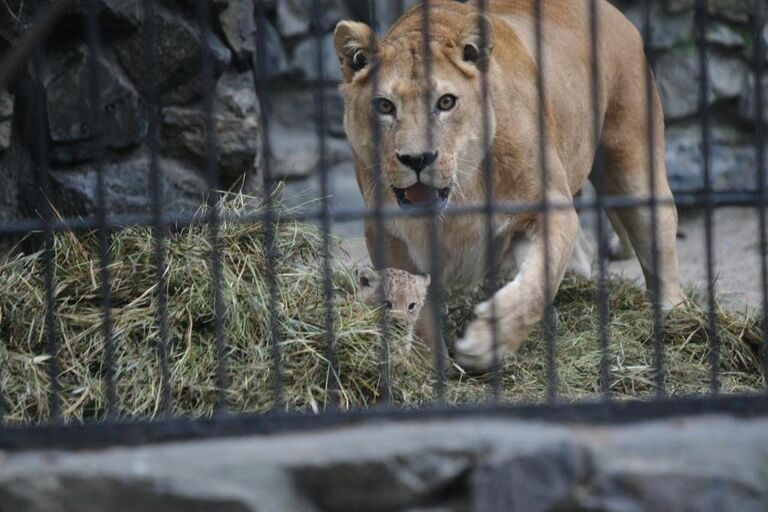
<point>732,89</point>
<point>121,130</point>
<point>705,464</point>
<point>674,42</point>
<point>116,138</point>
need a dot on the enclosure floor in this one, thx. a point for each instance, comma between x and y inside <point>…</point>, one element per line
<point>737,256</point>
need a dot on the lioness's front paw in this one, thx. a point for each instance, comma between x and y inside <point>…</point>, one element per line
<point>475,350</point>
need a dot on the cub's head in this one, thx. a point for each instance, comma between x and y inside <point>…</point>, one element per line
<point>403,293</point>
<point>430,127</point>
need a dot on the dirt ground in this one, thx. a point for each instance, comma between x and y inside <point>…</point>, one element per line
<point>738,274</point>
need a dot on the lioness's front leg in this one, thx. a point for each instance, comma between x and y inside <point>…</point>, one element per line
<point>520,305</point>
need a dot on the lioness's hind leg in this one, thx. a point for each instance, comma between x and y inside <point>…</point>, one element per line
<point>628,168</point>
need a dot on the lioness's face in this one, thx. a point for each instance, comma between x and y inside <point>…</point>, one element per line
<point>428,129</point>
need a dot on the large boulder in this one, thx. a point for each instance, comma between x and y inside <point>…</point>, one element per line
<point>305,60</point>
<point>178,57</point>
<point>121,15</point>
<point>276,58</point>
<point>128,187</point>
<point>237,26</point>
<point>295,17</point>
<point>732,158</point>
<point>77,130</point>
<point>678,80</point>
<point>236,124</point>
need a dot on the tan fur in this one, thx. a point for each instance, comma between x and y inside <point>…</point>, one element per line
<point>401,293</point>
<point>513,144</point>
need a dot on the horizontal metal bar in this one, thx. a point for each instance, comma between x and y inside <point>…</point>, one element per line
<point>686,201</point>
<point>107,434</point>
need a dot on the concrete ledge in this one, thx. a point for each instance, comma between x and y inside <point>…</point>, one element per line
<point>713,464</point>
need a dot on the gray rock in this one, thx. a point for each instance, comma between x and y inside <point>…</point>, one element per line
<point>16,175</point>
<point>295,151</point>
<point>277,61</point>
<point>726,35</point>
<point>668,30</point>
<point>6,118</point>
<point>732,10</point>
<point>732,158</point>
<point>748,101</point>
<point>121,121</point>
<point>542,481</point>
<point>678,80</point>
<point>295,17</point>
<point>237,132</point>
<point>238,26</point>
<point>112,13</point>
<point>390,484</point>
<point>127,182</point>
<point>178,57</point>
<point>305,60</point>
<point>295,107</point>
<point>639,491</point>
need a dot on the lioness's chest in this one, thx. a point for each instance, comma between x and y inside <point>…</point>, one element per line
<point>462,249</point>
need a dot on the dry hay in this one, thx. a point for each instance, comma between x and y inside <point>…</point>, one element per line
<point>306,380</point>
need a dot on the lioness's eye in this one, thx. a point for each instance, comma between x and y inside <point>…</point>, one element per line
<point>446,102</point>
<point>384,106</point>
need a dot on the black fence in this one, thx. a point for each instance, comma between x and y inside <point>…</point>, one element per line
<point>116,429</point>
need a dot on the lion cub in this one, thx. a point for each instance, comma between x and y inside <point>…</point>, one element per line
<point>403,295</point>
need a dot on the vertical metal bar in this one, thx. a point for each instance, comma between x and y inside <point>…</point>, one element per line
<point>385,363</point>
<point>598,180</point>
<point>214,200</point>
<point>491,260</point>
<point>550,327</point>
<point>46,211</point>
<point>95,116</point>
<point>326,192</point>
<point>702,22</point>
<point>261,79</point>
<point>655,285</point>
<point>436,269</point>
<point>158,200</point>
<point>759,72</point>
<point>399,7</point>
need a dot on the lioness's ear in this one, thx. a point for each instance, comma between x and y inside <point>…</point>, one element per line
<point>355,44</point>
<point>476,40</point>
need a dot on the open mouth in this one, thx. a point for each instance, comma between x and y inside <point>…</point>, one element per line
<point>421,196</point>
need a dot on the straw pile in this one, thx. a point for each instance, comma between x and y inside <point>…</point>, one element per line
<point>307,382</point>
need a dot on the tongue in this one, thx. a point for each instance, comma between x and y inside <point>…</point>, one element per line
<point>420,194</point>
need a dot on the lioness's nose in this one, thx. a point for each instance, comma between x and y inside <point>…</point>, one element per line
<point>418,162</point>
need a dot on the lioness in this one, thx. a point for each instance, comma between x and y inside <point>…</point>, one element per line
<point>433,147</point>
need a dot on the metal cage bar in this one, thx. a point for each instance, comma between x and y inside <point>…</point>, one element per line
<point>115,429</point>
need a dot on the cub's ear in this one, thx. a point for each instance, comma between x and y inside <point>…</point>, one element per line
<point>355,45</point>
<point>367,278</point>
<point>426,279</point>
<point>476,40</point>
